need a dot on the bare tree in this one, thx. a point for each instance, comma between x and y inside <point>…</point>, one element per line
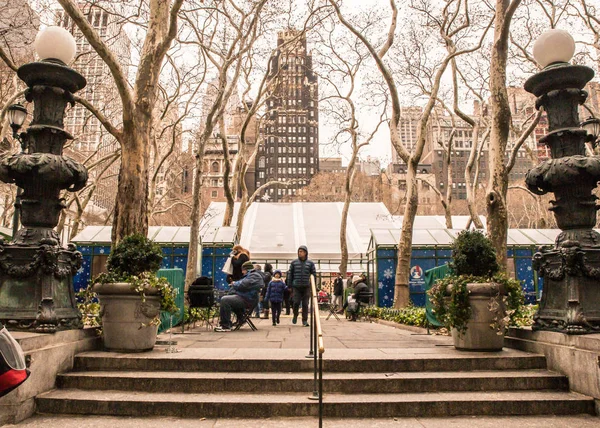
<point>341,62</point>
<point>225,54</point>
<point>450,24</point>
<point>138,101</point>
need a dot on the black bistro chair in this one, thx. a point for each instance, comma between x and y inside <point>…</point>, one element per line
<point>364,299</point>
<point>201,295</point>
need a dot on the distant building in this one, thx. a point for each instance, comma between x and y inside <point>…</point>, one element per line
<point>91,139</point>
<point>370,167</point>
<point>214,167</point>
<point>214,157</point>
<point>331,165</point>
<point>409,120</point>
<point>290,129</point>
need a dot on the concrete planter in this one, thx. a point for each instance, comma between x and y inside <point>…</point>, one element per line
<point>479,335</point>
<point>123,314</point>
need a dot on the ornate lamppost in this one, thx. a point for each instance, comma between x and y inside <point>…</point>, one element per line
<point>36,272</point>
<point>571,269</point>
<point>16,118</point>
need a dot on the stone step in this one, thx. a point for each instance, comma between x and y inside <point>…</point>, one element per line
<point>294,361</point>
<point>348,383</point>
<point>442,404</point>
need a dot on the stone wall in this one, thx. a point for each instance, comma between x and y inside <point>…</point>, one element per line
<point>47,355</point>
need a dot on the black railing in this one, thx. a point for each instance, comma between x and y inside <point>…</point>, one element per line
<point>317,348</point>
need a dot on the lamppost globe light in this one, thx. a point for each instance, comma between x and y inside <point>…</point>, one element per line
<point>55,43</point>
<point>16,114</point>
<point>554,46</point>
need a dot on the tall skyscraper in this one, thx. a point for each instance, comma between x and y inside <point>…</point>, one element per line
<point>290,130</point>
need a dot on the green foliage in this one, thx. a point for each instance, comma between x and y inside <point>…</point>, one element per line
<point>89,308</point>
<point>134,255</point>
<point>134,260</point>
<point>410,315</point>
<point>191,315</point>
<point>453,310</point>
<point>473,254</point>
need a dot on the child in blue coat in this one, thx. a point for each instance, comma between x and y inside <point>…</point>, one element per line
<point>274,296</point>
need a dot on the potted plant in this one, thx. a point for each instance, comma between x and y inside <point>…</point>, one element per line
<point>131,296</point>
<point>476,302</point>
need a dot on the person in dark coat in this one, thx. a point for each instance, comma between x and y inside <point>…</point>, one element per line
<point>261,295</point>
<point>242,296</point>
<point>338,292</point>
<point>268,274</point>
<point>287,300</point>
<point>239,256</point>
<point>298,278</point>
<point>360,296</point>
<point>274,296</point>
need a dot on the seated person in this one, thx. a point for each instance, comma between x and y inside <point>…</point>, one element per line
<point>361,292</point>
<point>243,295</point>
<point>352,307</point>
<point>360,296</point>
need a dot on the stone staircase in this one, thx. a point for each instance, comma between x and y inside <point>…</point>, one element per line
<point>195,384</point>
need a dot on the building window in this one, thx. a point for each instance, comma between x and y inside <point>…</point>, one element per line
<point>213,194</point>
<point>215,167</point>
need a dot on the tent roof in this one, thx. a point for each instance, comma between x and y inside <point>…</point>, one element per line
<point>436,221</point>
<point>423,238</point>
<point>160,234</point>
<point>276,230</point>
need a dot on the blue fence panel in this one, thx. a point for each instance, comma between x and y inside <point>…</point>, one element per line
<point>220,277</point>
<point>386,253</point>
<point>85,250</point>
<point>166,262</point>
<point>417,279</point>
<point>386,273</point>
<point>83,274</point>
<point>444,253</point>
<point>423,253</point>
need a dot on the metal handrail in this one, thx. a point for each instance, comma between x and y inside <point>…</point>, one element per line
<point>315,305</point>
<point>316,344</point>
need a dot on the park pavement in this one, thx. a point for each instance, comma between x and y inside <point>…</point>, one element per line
<point>343,339</point>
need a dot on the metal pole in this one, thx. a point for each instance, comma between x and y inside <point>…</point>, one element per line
<point>320,390</point>
<point>312,323</point>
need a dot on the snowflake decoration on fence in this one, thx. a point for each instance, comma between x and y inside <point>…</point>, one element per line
<point>380,285</point>
<point>388,273</point>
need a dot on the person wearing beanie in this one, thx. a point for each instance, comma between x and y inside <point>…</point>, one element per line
<point>268,276</point>
<point>274,295</point>
<point>243,295</point>
<point>338,292</point>
<point>298,278</point>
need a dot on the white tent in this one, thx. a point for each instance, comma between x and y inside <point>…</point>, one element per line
<point>274,231</point>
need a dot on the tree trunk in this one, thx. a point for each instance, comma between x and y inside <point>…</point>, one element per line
<point>241,215</point>
<point>344,222</point>
<point>497,220</point>
<point>402,292</point>
<point>131,205</point>
<point>227,182</point>
<point>192,260</point>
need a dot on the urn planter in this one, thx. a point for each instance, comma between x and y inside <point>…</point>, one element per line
<point>126,319</point>
<point>487,307</point>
